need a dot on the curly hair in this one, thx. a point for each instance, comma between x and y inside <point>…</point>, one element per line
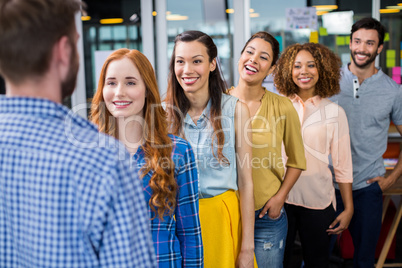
<point>328,66</point>
<point>157,146</point>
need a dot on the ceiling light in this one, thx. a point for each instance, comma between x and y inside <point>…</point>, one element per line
<point>111,21</point>
<point>321,12</point>
<point>254,15</point>
<point>230,10</point>
<point>384,11</point>
<point>251,10</point>
<point>394,7</point>
<point>325,7</point>
<point>176,17</point>
<point>135,18</point>
<point>85,18</point>
<point>154,13</point>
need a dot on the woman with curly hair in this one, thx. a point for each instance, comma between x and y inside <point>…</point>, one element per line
<point>215,125</point>
<point>127,106</point>
<point>308,74</point>
<point>274,121</point>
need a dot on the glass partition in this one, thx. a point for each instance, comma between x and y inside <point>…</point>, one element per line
<point>108,25</point>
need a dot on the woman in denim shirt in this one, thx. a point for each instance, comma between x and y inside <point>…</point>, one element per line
<point>215,124</point>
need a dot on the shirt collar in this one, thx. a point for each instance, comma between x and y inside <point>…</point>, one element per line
<point>315,100</point>
<point>203,117</point>
<point>375,76</point>
<point>40,108</point>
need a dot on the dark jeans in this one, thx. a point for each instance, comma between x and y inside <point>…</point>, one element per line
<point>365,225</point>
<point>311,224</point>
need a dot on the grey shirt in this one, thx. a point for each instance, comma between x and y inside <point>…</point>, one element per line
<point>369,107</point>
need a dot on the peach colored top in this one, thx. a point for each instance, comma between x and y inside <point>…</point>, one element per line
<point>325,133</point>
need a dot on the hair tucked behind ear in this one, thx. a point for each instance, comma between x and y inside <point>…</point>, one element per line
<point>157,145</point>
<point>177,102</point>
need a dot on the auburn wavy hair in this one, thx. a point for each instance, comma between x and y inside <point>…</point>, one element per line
<point>328,66</point>
<point>177,102</point>
<point>157,144</point>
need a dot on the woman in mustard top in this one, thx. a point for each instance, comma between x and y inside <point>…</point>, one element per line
<point>274,121</point>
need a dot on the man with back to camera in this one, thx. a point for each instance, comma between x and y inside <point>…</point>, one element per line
<point>67,195</point>
<point>371,99</point>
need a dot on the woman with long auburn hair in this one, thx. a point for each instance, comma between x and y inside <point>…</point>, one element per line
<point>215,125</point>
<point>127,106</point>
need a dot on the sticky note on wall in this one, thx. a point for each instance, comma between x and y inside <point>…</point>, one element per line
<point>396,70</point>
<point>391,58</point>
<point>340,40</point>
<point>390,62</point>
<point>391,53</point>
<point>314,37</point>
<point>323,31</point>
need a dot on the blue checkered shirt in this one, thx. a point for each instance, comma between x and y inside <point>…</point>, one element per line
<point>67,196</point>
<point>177,239</point>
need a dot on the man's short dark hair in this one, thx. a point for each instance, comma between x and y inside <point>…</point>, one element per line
<point>370,24</point>
<point>28,31</point>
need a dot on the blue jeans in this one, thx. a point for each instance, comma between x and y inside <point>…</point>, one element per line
<point>365,225</point>
<point>269,239</point>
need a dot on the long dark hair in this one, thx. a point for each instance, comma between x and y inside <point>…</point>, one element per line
<point>177,102</point>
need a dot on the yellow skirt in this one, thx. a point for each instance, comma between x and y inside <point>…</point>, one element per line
<point>221,230</point>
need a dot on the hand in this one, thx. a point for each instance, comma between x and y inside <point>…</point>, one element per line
<point>384,183</point>
<point>343,219</point>
<point>274,206</point>
<point>245,259</point>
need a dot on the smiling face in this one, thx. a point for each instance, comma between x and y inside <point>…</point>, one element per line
<point>192,66</point>
<point>255,61</point>
<point>305,72</point>
<point>364,47</point>
<point>124,89</point>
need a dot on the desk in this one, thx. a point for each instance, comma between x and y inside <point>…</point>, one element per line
<point>396,189</point>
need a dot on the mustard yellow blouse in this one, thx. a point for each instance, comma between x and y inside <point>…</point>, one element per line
<point>276,121</point>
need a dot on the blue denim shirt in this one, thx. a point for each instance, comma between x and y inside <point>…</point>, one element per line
<point>214,177</point>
